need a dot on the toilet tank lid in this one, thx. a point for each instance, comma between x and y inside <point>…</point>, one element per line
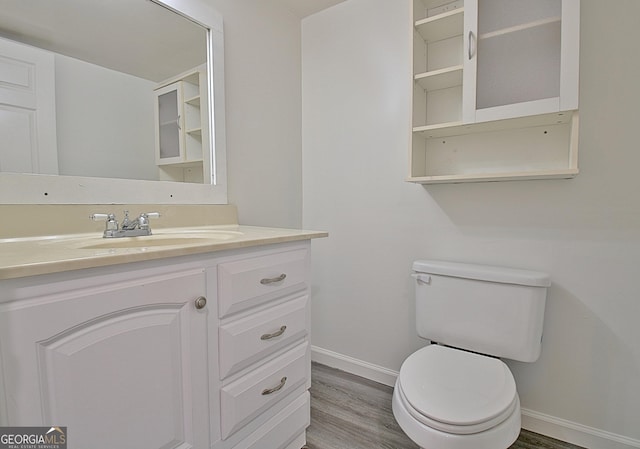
<point>483,272</point>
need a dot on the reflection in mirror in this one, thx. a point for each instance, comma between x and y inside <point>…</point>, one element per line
<point>103,88</point>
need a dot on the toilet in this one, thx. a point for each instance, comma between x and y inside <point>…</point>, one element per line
<point>457,393</point>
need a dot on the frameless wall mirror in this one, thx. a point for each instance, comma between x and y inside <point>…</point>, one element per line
<point>111,101</point>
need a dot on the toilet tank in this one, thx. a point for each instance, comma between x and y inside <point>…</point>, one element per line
<point>491,310</point>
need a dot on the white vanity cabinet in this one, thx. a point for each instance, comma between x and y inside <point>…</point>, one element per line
<point>495,90</point>
<point>120,359</point>
<point>201,351</point>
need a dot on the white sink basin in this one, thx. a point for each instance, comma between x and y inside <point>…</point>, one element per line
<point>221,234</point>
<point>200,237</point>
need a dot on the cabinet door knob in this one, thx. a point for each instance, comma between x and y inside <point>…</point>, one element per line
<point>201,302</point>
<point>274,389</point>
<point>267,281</point>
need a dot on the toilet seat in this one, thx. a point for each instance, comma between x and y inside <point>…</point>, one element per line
<point>455,391</point>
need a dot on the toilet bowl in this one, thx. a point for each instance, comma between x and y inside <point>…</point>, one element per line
<point>457,394</point>
<point>449,398</point>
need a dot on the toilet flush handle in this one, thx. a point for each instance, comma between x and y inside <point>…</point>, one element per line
<point>422,278</point>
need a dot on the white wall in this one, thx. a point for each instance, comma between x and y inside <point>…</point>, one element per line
<point>105,124</point>
<point>584,232</point>
<point>263,111</point>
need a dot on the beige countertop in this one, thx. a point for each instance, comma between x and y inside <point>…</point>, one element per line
<point>36,255</point>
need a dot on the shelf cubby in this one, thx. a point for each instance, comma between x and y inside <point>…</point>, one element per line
<point>441,26</point>
<point>536,147</point>
<point>440,79</point>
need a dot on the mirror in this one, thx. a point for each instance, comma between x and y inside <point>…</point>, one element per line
<point>116,67</point>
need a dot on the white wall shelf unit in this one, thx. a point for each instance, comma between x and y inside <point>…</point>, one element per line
<point>499,80</point>
<point>180,118</point>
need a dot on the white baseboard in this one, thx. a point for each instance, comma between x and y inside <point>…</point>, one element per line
<point>575,433</point>
<point>354,366</point>
<point>551,426</point>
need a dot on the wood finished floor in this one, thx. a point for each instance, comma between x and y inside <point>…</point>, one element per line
<point>349,412</point>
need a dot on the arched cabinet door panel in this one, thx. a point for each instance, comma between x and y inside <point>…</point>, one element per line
<point>121,364</point>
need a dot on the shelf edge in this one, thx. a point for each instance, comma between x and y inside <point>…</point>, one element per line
<point>459,128</point>
<point>521,27</point>
<point>492,177</point>
<point>440,16</point>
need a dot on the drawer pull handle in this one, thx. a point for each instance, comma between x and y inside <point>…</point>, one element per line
<point>274,335</point>
<point>274,389</point>
<point>267,281</point>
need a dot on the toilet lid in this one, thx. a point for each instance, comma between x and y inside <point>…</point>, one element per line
<point>458,388</point>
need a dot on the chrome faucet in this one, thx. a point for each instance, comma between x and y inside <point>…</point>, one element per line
<point>129,228</point>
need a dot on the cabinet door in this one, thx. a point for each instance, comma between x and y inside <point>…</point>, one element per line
<point>169,124</point>
<point>521,58</point>
<point>121,364</point>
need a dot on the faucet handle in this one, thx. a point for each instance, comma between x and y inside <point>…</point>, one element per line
<point>143,219</point>
<point>111,222</point>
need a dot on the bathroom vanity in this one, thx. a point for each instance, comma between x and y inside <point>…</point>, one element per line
<point>189,342</point>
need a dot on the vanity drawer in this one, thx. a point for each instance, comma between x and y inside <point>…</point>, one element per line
<point>247,397</point>
<point>248,339</point>
<point>286,430</point>
<point>249,282</point>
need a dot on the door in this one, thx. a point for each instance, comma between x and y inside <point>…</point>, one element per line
<point>521,58</point>
<point>121,364</point>
<point>27,110</point>
<point>169,124</point>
